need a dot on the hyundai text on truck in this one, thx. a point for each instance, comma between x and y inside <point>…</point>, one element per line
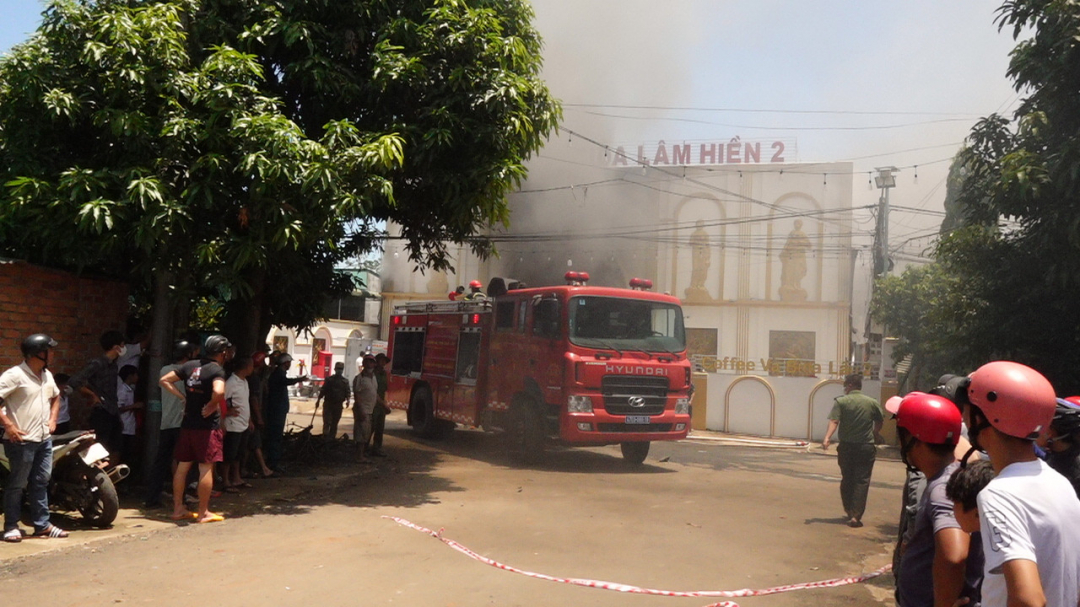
<point>579,364</point>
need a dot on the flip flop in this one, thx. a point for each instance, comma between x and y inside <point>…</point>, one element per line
<point>13,536</point>
<point>232,489</point>
<point>244,485</point>
<point>52,531</point>
<point>213,518</point>
<point>184,517</point>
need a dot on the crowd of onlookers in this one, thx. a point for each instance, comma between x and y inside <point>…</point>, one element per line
<point>991,508</point>
<point>990,513</point>
<point>223,420</point>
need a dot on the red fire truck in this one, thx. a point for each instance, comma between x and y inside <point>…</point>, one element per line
<point>586,365</point>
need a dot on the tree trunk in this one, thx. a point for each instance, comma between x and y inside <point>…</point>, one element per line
<point>160,347</point>
<point>243,317</point>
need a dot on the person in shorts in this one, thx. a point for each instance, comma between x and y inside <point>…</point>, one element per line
<point>237,422</point>
<point>200,431</point>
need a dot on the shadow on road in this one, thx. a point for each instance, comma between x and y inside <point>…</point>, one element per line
<point>490,449</point>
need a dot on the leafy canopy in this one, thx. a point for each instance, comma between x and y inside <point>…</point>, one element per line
<point>1007,281</point>
<point>225,141</point>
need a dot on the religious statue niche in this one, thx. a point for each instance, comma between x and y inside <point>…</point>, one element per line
<point>438,284</point>
<point>793,264</point>
<point>701,259</point>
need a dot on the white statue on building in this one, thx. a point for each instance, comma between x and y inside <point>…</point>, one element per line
<point>701,259</point>
<point>793,264</point>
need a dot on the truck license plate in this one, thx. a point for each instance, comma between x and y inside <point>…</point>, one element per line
<point>637,419</point>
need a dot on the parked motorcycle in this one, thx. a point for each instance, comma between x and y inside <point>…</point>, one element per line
<point>82,479</point>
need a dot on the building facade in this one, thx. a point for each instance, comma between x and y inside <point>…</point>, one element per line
<point>759,252</point>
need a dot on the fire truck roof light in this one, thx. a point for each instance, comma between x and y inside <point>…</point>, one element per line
<point>576,279</point>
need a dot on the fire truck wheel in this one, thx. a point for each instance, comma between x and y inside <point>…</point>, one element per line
<point>635,453</point>
<point>422,410</point>
<point>526,435</point>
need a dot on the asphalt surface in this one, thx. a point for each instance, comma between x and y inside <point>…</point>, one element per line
<point>701,514</point>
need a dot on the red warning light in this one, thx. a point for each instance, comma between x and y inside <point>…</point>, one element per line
<point>397,320</point>
<point>475,319</point>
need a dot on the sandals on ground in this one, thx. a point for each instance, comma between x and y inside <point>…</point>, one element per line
<point>13,536</point>
<point>52,531</point>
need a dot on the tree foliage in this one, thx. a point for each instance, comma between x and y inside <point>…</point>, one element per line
<point>1016,255</point>
<point>248,147</point>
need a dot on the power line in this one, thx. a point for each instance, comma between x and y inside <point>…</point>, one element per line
<point>756,127</point>
<point>763,111</point>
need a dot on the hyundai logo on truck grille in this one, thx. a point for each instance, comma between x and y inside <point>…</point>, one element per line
<point>636,401</point>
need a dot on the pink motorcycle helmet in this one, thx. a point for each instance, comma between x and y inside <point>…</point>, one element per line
<point>1016,399</point>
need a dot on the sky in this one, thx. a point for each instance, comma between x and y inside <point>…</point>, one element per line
<point>872,82</point>
<point>877,83</point>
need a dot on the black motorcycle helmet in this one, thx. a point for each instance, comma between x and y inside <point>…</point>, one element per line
<point>216,344</point>
<point>36,344</point>
<point>184,349</point>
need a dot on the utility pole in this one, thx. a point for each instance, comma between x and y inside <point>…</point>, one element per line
<point>885,181</point>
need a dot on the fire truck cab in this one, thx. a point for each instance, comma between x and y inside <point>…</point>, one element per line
<point>580,364</point>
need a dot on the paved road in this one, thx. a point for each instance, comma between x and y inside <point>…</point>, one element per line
<point>713,516</point>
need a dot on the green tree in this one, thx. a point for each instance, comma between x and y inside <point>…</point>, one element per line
<point>1017,256</point>
<point>241,149</point>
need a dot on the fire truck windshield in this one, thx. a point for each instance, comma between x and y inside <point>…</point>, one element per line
<point>626,324</point>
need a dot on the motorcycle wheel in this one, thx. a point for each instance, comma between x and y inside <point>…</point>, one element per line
<point>104,504</point>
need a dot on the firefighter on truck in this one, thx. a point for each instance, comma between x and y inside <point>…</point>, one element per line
<point>581,364</point>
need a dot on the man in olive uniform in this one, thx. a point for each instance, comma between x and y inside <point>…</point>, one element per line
<point>334,394</point>
<point>859,419</point>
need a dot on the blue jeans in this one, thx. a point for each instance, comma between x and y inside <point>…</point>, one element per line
<point>31,468</point>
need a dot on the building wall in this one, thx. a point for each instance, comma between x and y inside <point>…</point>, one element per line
<point>755,404</point>
<point>73,310</point>
<point>630,222</point>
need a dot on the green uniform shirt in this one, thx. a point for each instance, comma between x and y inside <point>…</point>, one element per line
<point>857,414</point>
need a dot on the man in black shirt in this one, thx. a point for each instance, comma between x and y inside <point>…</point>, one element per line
<point>97,384</point>
<point>200,431</point>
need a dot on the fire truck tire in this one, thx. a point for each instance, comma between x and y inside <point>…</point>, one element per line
<point>422,410</point>
<point>526,435</point>
<point>635,453</point>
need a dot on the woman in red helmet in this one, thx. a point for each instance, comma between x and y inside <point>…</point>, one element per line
<point>1029,513</point>
<point>941,563</point>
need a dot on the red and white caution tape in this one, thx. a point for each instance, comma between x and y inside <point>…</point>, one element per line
<point>833,583</point>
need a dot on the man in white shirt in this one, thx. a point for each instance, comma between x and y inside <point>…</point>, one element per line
<point>237,422</point>
<point>31,403</point>
<point>1029,514</point>
<point>365,396</point>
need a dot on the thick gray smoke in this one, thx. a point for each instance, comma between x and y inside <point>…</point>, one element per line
<point>596,55</point>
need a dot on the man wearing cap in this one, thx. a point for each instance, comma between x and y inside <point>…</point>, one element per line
<point>859,420</point>
<point>201,435</point>
<point>334,395</point>
<point>30,404</point>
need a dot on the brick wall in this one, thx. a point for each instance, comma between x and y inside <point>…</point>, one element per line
<point>73,310</point>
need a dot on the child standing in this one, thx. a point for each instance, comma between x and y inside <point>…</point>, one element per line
<point>63,419</point>
<point>126,405</point>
